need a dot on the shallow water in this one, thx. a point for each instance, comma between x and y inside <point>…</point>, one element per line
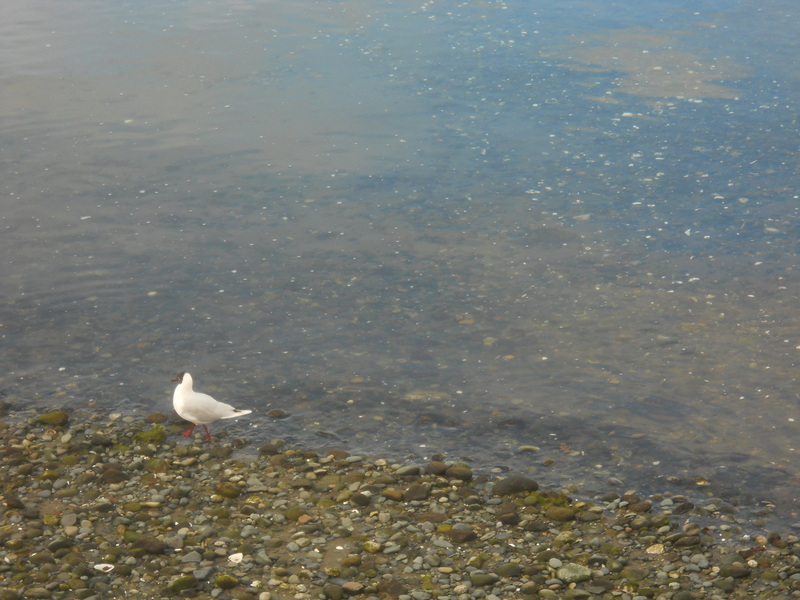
<point>417,228</point>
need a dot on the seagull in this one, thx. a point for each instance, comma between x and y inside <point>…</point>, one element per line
<point>200,409</point>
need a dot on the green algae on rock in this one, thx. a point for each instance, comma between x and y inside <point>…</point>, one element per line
<point>155,435</point>
<point>56,418</point>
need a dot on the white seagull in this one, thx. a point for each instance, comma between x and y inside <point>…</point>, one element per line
<point>200,409</point>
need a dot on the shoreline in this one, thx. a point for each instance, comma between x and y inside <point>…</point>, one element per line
<point>96,508</point>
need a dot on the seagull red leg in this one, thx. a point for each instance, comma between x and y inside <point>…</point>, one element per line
<point>188,432</point>
<point>208,434</point>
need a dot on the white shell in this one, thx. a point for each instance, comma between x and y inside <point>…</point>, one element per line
<point>236,558</point>
<point>104,567</point>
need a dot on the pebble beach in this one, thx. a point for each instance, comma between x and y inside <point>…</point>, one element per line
<point>98,506</point>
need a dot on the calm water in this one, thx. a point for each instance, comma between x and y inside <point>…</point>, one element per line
<point>418,228</point>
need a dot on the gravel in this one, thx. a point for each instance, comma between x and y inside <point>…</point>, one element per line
<point>97,507</point>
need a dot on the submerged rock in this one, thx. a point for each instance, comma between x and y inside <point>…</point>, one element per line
<point>514,484</point>
<point>57,418</point>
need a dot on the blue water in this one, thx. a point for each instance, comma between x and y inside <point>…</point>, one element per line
<point>421,228</point>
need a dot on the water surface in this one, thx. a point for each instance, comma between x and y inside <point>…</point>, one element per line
<point>418,228</point>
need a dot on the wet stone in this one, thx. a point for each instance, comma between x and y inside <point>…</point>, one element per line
<point>632,574</point>
<point>560,513</point>
<point>353,588</point>
<point>417,491</point>
<point>59,543</point>
<point>189,557</point>
<point>226,582</point>
<point>393,494</point>
<point>572,573</point>
<point>726,584</point>
<point>336,453</point>
<point>203,573</point>
<point>15,503</point>
<point>228,490</point>
<point>155,435</point>
<point>391,587</point>
<point>439,468</point>
<point>270,449</point>
<point>735,570</point>
<point>69,520</point>
<point>360,499</point>
<point>114,475</point>
<point>100,439</point>
<point>182,583</point>
<point>640,507</point>
<point>682,508</point>
<point>173,541</point>
<point>149,544</point>
<point>509,519</point>
<point>431,517</point>
<point>482,579</point>
<point>408,470</point>
<point>508,570</point>
<point>514,484</point>
<point>461,472</point>
<point>461,535</point>
<point>293,513</point>
<point>57,418</point>
<point>687,541</point>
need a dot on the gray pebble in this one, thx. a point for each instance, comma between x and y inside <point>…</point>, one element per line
<point>69,520</point>
<point>203,573</point>
<point>193,556</point>
<point>408,470</point>
<point>573,573</point>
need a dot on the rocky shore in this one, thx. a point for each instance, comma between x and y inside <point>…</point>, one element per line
<point>96,507</point>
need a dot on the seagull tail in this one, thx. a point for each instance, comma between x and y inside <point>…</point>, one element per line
<point>237,413</point>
